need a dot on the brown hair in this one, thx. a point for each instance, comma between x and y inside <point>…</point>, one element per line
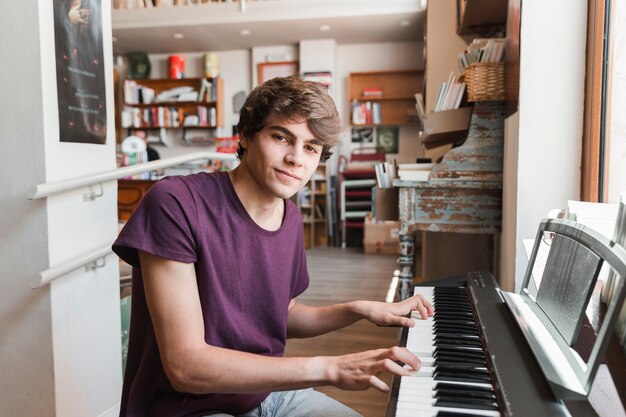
<point>296,99</point>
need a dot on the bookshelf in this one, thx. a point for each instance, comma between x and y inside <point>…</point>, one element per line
<point>312,201</point>
<point>388,97</point>
<point>143,109</point>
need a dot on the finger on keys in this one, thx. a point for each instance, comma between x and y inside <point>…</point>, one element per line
<point>378,384</point>
<point>396,368</point>
<point>401,354</point>
<point>424,307</point>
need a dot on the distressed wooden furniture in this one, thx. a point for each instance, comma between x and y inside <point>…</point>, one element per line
<point>463,193</point>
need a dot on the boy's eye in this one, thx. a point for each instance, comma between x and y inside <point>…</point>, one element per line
<point>311,149</point>
<point>280,138</point>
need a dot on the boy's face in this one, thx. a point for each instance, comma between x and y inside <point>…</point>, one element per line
<point>282,156</point>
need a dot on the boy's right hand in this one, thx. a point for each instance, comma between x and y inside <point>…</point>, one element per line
<point>360,371</point>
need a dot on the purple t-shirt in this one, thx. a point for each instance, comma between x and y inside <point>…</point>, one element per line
<point>246,277</point>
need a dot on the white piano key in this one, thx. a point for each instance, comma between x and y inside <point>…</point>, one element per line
<point>408,410</point>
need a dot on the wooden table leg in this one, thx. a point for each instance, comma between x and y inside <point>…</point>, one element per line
<point>407,247</point>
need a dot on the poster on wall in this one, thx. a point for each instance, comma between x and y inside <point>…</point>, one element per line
<point>387,138</point>
<point>80,70</point>
<point>362,135</point>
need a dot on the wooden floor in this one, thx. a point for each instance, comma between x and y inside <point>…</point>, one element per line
<point>341,275</point>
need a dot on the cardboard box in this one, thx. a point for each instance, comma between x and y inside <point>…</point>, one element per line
<point>446,127</point>
<point>386,203</point>
<point>381,237</point>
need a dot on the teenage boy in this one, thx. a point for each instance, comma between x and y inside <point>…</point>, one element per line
<point>218,261</point>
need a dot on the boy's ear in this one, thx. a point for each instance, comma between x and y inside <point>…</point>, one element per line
<point>243,141</point>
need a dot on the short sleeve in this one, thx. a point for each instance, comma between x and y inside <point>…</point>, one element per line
<point>162,225</point>
<point>301,281</point>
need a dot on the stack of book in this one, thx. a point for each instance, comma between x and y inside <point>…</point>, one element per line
<point>372,92</point>
<point>414,172</point>
<point>450,94</point>
<point>482,50</point>
<point>207,92</point>
<point>385,174</point>
<point>365,113</point>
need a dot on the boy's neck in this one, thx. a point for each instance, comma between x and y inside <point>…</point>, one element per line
<point>266,211</point>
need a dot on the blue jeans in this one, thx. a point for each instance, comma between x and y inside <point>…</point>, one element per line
<point>299,403</point>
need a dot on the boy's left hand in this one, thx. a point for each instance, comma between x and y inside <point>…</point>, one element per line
<point>394,314</point>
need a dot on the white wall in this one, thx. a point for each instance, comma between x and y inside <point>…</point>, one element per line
<point>26,356</point>
<point>319,55</point>
<point>60,353</point>
<point>552,78</point>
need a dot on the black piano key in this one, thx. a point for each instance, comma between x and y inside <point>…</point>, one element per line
<point>451,302</point>
<point>456,326</point>
<point>450,360</point>
<point>465,394</point>
<point>465,404</point>
<point>472,388</point>
<point>460,352</point>
<point>450,334</point>
<point>446,357</point>
<point>458,376</point>
<point>453,313</point>
<point>456,414</point>
<point>458,342</point>
<point>459,364</point>
<point>443,290</point>
<point>460,322</point>
<point>449,308</point>
<point>467,397</point>
<point>454,368</point>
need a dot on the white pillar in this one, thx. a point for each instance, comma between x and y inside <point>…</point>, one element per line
<point>60,344</point>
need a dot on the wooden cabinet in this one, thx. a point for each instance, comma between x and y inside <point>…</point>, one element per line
<point>200,106</point>
<point>129,195</point>
<point>312,201</point>
<point>389,97</point>
<point>483,17</point>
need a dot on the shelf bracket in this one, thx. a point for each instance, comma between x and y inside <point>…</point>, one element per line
<point>98,263</point>
<point>92,195</point>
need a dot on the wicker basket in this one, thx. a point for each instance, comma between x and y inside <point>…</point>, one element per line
<point>485,81</point>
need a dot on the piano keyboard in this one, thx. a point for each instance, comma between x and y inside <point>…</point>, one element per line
<point>453,379</point>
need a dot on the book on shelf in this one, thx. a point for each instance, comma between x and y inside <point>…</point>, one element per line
<point>365,112</point>
<point>372,92</point>
<point>414,172</point>
<point>419,106</point>
<point>323,77</point>
<point>450,94</point>
<point>482,50</point>
<point>385,174</point>
<point>207,92</point>
<point>319,214</point>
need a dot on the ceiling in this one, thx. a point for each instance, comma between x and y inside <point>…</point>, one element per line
<point>218,26</point>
